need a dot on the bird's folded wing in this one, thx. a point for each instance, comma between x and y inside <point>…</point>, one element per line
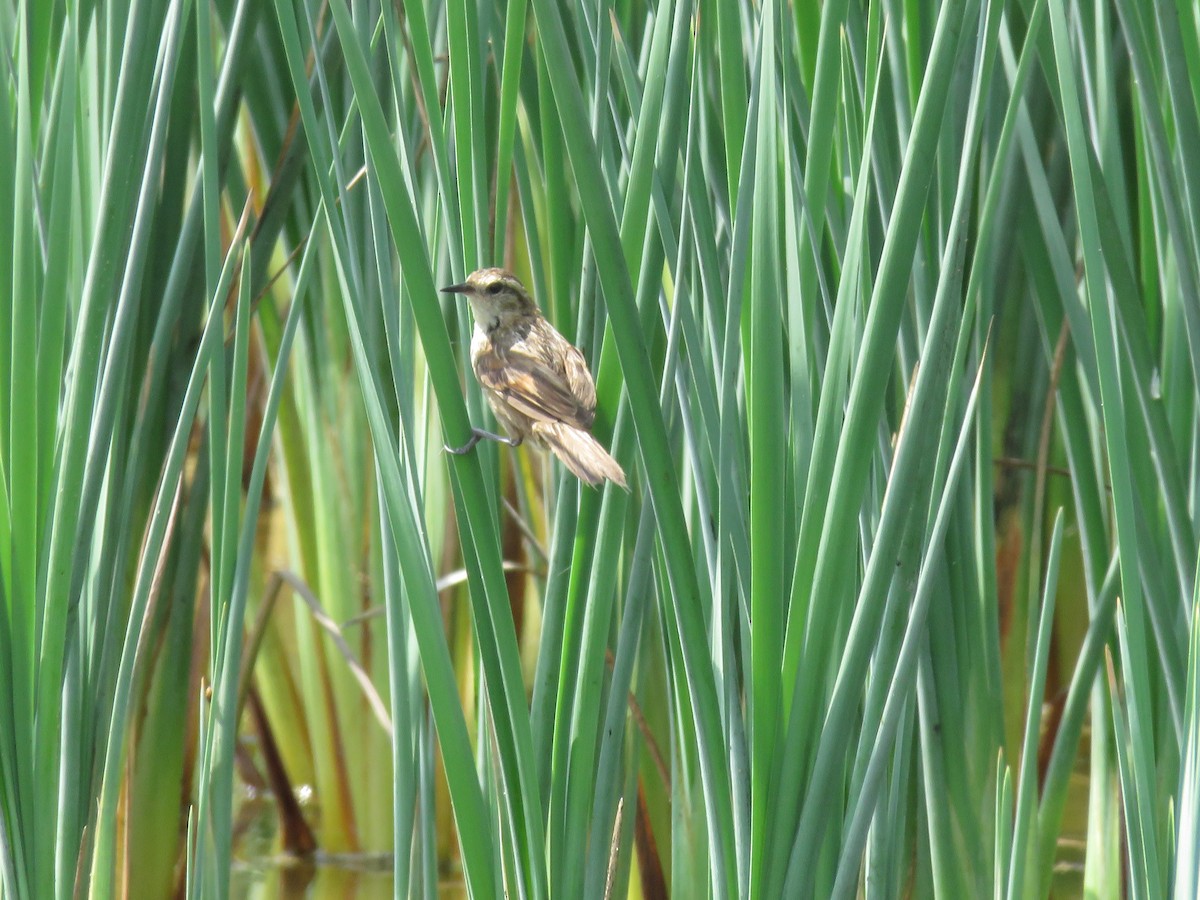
<point>533,385</point>
<point>579,379</point>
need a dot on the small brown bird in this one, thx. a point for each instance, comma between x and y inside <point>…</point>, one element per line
<point>537,383</point>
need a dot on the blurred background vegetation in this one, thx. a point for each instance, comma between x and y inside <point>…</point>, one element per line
<point>894,309</point>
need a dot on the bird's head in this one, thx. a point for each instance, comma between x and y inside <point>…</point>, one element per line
<point>497,298</point>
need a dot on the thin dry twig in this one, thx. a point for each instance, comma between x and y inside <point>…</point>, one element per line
<point>335,633</point>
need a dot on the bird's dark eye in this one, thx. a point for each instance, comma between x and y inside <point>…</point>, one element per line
<point>494,289</point>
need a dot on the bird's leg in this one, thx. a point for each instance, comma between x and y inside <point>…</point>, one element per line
<point>477,435</point>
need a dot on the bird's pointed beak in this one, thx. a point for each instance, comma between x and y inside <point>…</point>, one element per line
<point>458,289</point>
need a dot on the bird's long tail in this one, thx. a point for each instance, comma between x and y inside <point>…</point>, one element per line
<point>581,453</point>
